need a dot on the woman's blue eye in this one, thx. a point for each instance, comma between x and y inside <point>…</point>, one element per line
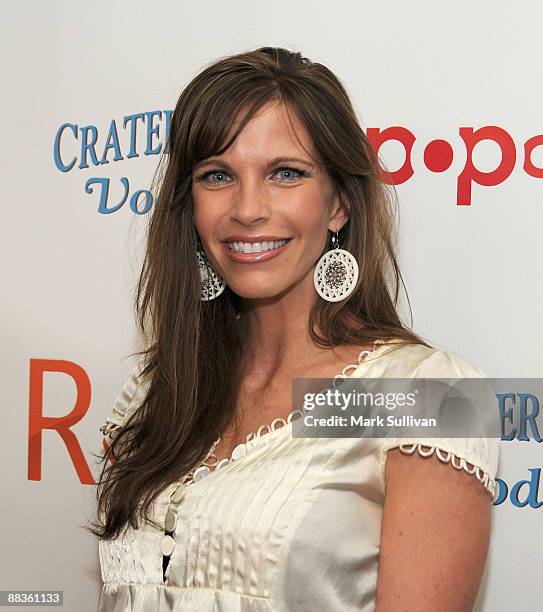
<point>210,173</point>
<point>298,172</point>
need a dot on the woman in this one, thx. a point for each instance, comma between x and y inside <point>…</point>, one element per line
<point>267,260</point>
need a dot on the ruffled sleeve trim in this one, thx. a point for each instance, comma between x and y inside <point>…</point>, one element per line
<point>126,402</point>
<point>457,462</point>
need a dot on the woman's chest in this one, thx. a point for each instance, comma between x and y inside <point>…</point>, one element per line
<point>241,528</point>
<point>262,409</point>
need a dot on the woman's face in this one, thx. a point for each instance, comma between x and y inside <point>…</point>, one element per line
<point>247,199</point>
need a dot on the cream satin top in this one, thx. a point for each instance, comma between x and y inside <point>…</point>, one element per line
<point>292,524</point>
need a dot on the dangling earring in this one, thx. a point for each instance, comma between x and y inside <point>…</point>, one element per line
<point>336,273</point>
<point>211,284</point>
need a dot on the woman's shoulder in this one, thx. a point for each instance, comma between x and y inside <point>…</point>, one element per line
<point>421,360</point>
<point>128,399</point>
<point>476,455</point>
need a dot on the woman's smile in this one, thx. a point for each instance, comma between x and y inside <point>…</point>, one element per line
<point>254,252</point>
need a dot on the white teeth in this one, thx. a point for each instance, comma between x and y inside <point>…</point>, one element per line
<point>255,247</point>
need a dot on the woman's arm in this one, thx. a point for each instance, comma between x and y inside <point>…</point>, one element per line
<point>435,535</point>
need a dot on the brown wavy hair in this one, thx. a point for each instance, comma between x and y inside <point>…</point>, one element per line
<point>195,349</point>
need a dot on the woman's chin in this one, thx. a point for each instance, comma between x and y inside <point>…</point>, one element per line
<point>259,292</point>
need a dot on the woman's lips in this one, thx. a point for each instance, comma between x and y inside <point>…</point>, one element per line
<point>254,257</point>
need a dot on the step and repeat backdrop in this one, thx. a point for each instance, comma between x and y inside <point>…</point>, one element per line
<point>449,94</point>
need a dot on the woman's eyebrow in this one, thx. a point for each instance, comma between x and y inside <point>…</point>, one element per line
<point>271,162</point>
<point>285,159</point>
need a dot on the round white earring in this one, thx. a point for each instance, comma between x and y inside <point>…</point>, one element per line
<point>336,273</point>
<point>211,284</point>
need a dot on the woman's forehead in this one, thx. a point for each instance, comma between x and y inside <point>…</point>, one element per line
<point>270,134</point>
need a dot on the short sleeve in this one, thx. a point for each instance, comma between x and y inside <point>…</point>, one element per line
<point>129,399</point>
<point>476,456</point>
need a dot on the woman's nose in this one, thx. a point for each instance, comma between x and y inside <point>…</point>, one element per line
<point>250,203</point>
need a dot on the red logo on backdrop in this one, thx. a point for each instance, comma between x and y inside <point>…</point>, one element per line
<point>438,157</point>
<point>38,423</point>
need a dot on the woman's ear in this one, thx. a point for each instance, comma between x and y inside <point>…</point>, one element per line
<point>339,213</point>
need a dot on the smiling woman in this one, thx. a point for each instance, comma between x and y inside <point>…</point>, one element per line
<point>296,205</point>
<point>271,257</point>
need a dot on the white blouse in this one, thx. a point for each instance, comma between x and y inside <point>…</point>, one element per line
<point>290,524</point>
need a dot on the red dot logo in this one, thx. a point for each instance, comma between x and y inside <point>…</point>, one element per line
<point>438,155</point>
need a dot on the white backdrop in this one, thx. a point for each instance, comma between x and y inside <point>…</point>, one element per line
<point>472,271</point>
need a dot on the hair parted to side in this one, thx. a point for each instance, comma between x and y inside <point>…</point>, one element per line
<point>195,349</point>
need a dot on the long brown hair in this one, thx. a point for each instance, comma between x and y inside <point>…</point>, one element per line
<point>195,348</point>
